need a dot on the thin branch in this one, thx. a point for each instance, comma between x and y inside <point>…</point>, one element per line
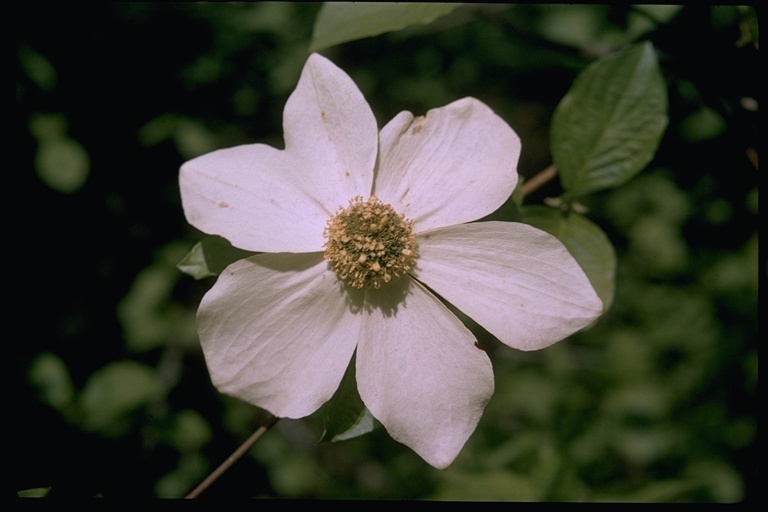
<point>241,450</point>
<point>538,180</point>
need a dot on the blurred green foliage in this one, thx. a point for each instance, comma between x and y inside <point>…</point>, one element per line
<point>655,402</point>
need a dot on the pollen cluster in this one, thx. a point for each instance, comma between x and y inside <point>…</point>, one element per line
<point>369,243</point>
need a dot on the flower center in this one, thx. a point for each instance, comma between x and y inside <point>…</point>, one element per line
<point>369,243</point>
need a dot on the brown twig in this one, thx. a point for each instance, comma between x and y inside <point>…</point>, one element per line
<point>241,450</point>
<point>538,180</point>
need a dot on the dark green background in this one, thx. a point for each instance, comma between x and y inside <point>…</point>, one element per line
<point>657,402</point>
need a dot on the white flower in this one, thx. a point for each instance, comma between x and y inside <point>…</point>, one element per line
<point>278,329</point>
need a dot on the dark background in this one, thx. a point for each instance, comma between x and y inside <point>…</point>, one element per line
<point>655,403</point>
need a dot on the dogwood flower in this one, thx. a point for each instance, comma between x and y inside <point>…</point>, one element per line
<point>358,231</point>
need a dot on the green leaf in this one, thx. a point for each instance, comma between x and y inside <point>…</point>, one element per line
<point>590,26</point>
<point>37,492</point>
<point>704,124</point>
<point>191,469</point>
<point>345,415</point>
<point>49,374</point>
<point>38,68</point>
<point>61,162</point>
<point>191,137</point>
<point>492,485</point>
<point>339,22</point>
<point>210,256</point>
<point>608,126</point>
<point>586,242</point>
<point>149,316</point>
<point>115,391</point>
<point>188,431</point>
<point>658,491</point>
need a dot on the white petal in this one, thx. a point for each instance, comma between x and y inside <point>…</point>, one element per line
<point>263,199</point>
<point>251,196</point>
<point>328,122</point>
<point>419,371</point>
<point>518,282</point>
<point>455,165</point>
<point>277,331</point>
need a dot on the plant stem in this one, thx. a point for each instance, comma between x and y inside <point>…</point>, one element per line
<point>241,450</point>
<point>538,180</point>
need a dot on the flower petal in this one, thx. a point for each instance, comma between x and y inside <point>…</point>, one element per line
<point>277,331</point>
<point>251,196</point>
<point>328,122</point>
<point>419,371</point>
<point>455,165</point>
<point>263,199</point>
<point>518,282</point>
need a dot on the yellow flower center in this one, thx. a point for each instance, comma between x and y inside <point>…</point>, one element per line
<point>369,243</point>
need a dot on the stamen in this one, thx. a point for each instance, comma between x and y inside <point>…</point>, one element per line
<point>369,243</point>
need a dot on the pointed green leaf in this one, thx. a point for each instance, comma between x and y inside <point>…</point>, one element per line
<point>210,256</point>
<point>608,126</point>
<point>345,415</point>
<point>586,242</point>
<point>339,22</point>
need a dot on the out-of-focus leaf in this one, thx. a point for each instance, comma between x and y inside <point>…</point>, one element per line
<point>748,26</point>
<point>189,431</point>
<point>298,475</point>
<point>657,492</point>
<point>579,25</point>
<point>113,392</point>
<point>37,492</point>
<point>657,247</point>
<point>339,22</point>
<point>191,470</point>
<point>158,130</point>
<point>658,13</point>
<point>60,161</point>
<point>653,193</point>
<point>345,415</point>
<point>139,311</point>
<point>496,485</point>
<point>645,445</point>
<point>593,27</point>
<point>608,126</point>
<point>643,18</point>
<point>50,376</point>
<point>148,315</point>
<point>587,243</point>
<point>38,68</point>
<point>724,482</point>
<point>704,124</point>
<point>210,256</point>
<point>63,164</point>
<point>191,137</point>
<point>642,399</point>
